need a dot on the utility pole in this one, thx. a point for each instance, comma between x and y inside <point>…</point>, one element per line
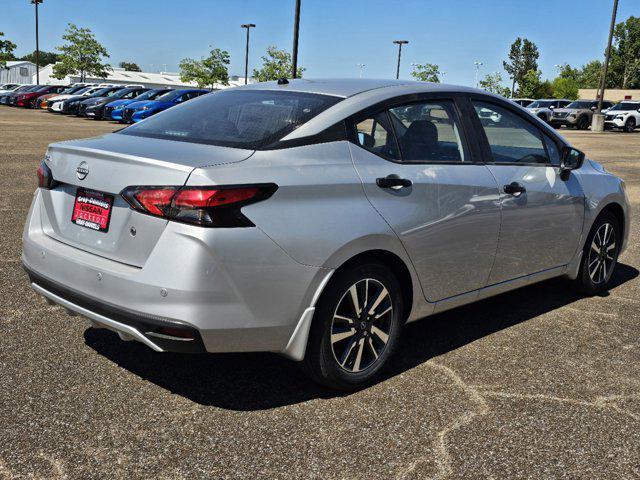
<point>399,43</point>
<point>296,30</point>
<point>248,26</point>
<point>478,65</point>
<point>36,2</point>
<point>597,123</point>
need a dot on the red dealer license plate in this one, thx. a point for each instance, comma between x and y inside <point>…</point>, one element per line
<point>92,209</point>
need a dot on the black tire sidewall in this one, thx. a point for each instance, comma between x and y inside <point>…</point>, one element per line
<point>630,125</point>
<point>319,358</point>
<point>586,284</point>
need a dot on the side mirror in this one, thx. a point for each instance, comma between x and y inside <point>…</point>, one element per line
<point>552,107</point>
<point>571,159</point>
<point>594,108</point>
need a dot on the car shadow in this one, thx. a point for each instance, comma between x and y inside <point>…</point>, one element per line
<point>258,381</point>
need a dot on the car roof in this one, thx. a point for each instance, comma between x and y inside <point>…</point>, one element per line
<point>348,87</point>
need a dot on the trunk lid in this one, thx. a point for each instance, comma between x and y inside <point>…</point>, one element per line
<point>114,162</point>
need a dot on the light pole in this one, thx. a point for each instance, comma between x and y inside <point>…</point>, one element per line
<point>36,2</point>
<point>442,74</point>
<point>478,65</point>
<point>361,65</point>
<point>296,31</point>
<point>597,123</point>
<point>399,43</point>
<point>248,26</point>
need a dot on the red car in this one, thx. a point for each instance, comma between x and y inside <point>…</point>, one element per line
<point>29,99</point>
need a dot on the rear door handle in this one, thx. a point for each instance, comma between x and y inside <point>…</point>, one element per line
<point>514,188</point>
<point>393,181</point>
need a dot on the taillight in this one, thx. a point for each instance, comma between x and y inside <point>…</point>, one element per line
<point>217,206</point>
<point>45,177</point>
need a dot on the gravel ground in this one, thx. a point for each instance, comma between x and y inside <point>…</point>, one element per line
<point>538,383</point>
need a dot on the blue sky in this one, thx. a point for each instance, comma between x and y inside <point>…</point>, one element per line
<point>335,35</point>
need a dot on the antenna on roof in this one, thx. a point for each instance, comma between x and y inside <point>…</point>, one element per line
<point>283,81</point>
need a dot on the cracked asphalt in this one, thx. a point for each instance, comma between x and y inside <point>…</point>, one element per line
<point>539,383</point>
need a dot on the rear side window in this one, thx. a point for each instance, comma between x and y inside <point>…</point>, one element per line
<point>375,134</point>
<point>250,119</point>
<point>511,138</point>
<point>428,132</point>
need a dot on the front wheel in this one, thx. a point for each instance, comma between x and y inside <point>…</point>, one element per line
<point>630,125</point>
<point>583,123</point>
<point>600,254</point>
<point>355,328</point>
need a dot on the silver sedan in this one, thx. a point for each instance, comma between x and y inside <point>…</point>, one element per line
<point>315,218</point>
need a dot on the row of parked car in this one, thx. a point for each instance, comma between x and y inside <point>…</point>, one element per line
<point>122,103</point>
<point>578,114</point>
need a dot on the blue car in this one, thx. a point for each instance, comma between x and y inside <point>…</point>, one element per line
<point>140,110</point>
<point>115,109</point>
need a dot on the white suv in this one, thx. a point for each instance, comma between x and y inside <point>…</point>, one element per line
<point>624,115</point>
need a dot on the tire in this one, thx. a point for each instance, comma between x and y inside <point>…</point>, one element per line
<point>583,123</point>
<point>555,125</point>
<point>630,125</point>
<point>361,345</point>
<point>604,236</point>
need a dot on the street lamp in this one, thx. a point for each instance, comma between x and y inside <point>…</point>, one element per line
<point>442,74</point>
<point>361,65</point>
<point>597,124</point>
<point>478,65</point>
<point>399,43</point>
<point>248,26</point>
<point>36,2</point>
<point>296,31</point>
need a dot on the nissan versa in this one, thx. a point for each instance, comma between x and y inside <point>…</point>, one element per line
<point>315,218</point>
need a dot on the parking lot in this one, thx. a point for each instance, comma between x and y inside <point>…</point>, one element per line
<point>539,383</point>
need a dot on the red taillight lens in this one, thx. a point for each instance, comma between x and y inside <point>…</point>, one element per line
<point>204,206</point>
<point>45,177</point>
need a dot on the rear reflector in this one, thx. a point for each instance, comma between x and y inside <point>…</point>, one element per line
<point>217,206</point>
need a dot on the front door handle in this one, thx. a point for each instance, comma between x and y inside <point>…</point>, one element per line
<point>393,181</point>
<point>514,188</point>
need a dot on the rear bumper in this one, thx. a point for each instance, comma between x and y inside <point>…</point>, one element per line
<point>235,287</point>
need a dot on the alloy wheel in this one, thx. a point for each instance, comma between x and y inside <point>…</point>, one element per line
<point>361,325</point>
<point>602,254</point>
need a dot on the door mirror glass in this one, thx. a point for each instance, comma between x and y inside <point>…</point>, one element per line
<point>572,159</point>
<point>552,107</point>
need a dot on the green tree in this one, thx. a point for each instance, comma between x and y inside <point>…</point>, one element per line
<point>81,55</point>
<point>565,88</point>
<point>6,50</point>
<point>130,66</point>
<point>276,64</point>
<point>523,57</point>
<point>492,82</point>
<point>567,71</point>
<point>207,72</point>
<point>625,54</point>
<point>532,86</point>
<point>44,58</point>
<point>590,74</point>
<point>428,72</point>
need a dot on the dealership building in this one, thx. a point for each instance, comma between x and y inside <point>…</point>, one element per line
<point>19,71</point>
<point>611,94</point>
<point>120,76</point>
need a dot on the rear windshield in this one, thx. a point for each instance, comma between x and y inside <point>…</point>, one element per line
<point>249,119</point>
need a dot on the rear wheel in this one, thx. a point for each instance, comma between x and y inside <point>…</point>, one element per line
<point>630,125</point>
<point>600,254</point>
<point>356,327</point>
<point>583,123</point>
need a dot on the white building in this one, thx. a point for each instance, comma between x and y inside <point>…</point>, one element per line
<point>120,76</point>
<point>18,71</point>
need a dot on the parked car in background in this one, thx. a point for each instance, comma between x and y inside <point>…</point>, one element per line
<point>136,112</point>
<point>9,87</point>
<point>523,102</point>
<point>94,107</point>
<point>29,99</point>
<point>72,104</point>
<point>54,104</point>
<point>297,218</point>
<point>544,108</point>
<point>69,90</point>
<point>114,110</point>
<point>5,97</point>
<point>624,115</point>
<point>577,114</point>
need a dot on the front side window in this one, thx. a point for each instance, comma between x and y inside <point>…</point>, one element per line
<point>249,119</point>
<point>428,132</point>
<point>511,138</point>
<point>375,134</point>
